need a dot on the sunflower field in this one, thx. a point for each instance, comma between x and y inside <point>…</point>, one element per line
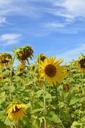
<point>44,94</point>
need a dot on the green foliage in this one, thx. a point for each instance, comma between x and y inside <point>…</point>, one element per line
<point>51,107</point>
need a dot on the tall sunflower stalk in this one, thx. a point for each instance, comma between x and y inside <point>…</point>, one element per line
<point>44,102</point>
<point>11,73</point>
<point>52,71</point>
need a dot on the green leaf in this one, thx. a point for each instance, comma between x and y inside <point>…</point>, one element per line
<point>2,97</point>
<point>73,101</point>
<point>39,93</point>
<point>48,96</point>
<point>37,110</point>
<point>53,117</point>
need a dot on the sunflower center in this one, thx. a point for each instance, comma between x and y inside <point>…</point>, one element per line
<point>16,109</point>
<point>82,63</point>
<point>50,70</point>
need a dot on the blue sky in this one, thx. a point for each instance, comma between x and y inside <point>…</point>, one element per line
<point>53,27</point>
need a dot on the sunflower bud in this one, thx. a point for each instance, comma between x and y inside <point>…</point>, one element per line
<point>66,87</point>
<point>41,57</point>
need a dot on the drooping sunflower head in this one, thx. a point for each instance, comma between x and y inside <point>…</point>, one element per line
<point>28,51</point>
<point>5,59</point>
<point>24,53</point>
<point>41,57</point>
<point>51,70</point>
<point>16,112</point>
<point>81,64</point>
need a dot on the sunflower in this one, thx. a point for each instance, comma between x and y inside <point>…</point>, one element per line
<point>5,59</point>
<point>16,112</point>
<point>51,70</point>
<point>66,87</point>
<point>41,57</point>
<point>23,53</point>
<point>79,89</point>
<point>81,63</point>
<point>32,69</point>
<point>20,69</point>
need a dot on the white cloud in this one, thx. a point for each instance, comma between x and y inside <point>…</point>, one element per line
<point>73,54</point>
<point>4,1</point>
<point>70,9</point>
<point>9,39</point>
<point>18,7</point>
<point>5,7</point>
<point>49,27</point>
<point>66,11</point>
<point>75,7</point>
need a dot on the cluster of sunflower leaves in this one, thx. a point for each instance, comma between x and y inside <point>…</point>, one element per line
<point>22,94</point>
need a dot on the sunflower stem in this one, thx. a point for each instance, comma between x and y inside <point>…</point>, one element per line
<point>11,69</point>
<point>27,61</point>
<point>44,101</point>
<point>57,99</point>
<point>16,126</point>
